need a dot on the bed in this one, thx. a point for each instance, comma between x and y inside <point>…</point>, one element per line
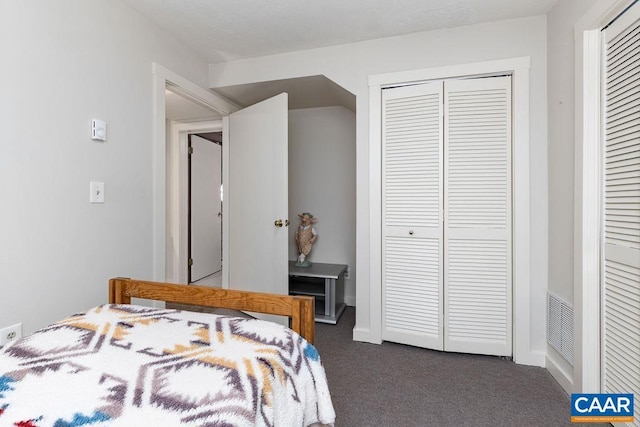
<point>120,364</point>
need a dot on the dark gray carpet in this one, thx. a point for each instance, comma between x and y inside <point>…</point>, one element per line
<point>398,385</point>
<point>402,386</point>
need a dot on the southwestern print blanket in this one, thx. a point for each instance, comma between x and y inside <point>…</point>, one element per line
<point>127,365</point>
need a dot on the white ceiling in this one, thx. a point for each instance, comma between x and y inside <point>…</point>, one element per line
<point>225,30</point>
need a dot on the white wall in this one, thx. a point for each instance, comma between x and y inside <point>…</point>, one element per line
<point>64,63</point>
<point>560,78</point>
<point>560,92</point>
<point>322,180</point>
<point>350,65</point>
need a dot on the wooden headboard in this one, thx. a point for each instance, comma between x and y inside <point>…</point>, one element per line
<point>300,309</point>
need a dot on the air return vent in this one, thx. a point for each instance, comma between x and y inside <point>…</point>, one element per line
<point>560,326</point>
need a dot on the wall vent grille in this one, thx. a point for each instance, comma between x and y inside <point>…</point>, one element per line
<point>560,326</point>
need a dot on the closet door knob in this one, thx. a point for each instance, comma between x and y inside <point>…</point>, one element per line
<point>411,232</point>
<point>278,223</point>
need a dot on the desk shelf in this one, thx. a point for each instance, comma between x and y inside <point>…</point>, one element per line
<point>314,287</point>
<point>325,282</point>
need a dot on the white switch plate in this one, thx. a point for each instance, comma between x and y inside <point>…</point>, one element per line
<point>98,130</point>
<point>96,194</point>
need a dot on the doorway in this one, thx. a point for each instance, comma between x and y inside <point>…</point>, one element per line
<point>185,118</point>
<point>204,215</point>
<point>321,165</point>
<point>169,216</point>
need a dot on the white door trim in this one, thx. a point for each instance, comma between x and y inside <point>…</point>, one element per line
<point>587,199</point>
<point>523,352</point>
<point>163,78</point>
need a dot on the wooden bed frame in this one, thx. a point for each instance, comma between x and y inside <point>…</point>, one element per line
<point>301,309</point>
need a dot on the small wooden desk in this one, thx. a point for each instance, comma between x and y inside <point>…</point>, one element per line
<point>325,282</point>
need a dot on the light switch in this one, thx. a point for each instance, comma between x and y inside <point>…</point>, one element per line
<point>98,130</point>
<point>97,192</point>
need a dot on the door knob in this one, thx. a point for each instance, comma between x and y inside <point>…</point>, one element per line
<point>411,232</point>
<point>278,223</point>
<point>286,222</point>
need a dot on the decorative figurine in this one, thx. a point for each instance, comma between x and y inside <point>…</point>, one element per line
<point>306,235</point>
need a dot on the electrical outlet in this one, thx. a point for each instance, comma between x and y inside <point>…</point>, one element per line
<point>10,333</point>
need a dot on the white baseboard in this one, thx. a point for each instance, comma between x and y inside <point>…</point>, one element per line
<point>364,335</point>
<point>533,358</point>
<point>361,334</point>
<point>559,374</point>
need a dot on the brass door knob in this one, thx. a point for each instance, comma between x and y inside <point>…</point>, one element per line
<point>286,222</point>
<point>278,223</point>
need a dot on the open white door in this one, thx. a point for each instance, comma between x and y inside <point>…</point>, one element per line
<point>256,197</point>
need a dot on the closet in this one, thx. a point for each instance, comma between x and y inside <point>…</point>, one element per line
<point>446,215</point>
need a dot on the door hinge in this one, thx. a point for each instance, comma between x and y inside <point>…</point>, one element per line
<point>190,262</point>
<point>190,150</point>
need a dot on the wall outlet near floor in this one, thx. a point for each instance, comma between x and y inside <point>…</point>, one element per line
<point>10,333</point>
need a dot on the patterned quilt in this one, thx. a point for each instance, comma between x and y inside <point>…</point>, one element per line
<point>127,365</point>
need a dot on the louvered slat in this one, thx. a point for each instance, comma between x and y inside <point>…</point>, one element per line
<point>412,286</point>
<point>622,327</point>
<point>621,255</point>
<point>411,130</point>
<point>478,155</point>
<point>477,291</point>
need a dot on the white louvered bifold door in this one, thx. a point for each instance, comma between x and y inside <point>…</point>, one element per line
<point>411,212</point>
<point>477,230</point>
<point>621,180</point>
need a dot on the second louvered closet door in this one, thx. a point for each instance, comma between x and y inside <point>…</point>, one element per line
<point>446,264</point>
<point>621,209</point>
